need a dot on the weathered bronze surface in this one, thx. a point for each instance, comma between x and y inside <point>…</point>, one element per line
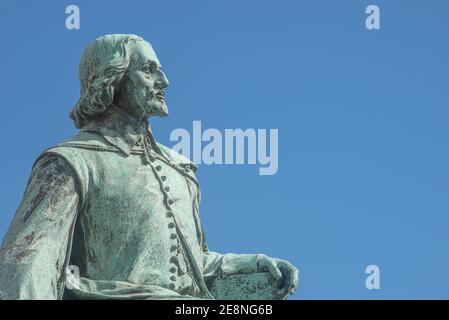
<point>112,214</point>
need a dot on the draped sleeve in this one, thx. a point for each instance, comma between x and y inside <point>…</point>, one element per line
<point>35,249</point>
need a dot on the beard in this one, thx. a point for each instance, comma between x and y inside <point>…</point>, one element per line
<point>151,106</point>
<point>156,107</point>
<point>141,99</point>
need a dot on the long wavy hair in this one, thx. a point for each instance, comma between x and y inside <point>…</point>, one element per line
<point>102,67</point>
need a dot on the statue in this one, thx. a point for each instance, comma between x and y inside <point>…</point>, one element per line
<point>119,207</point>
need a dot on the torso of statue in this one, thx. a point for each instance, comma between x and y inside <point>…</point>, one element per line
<point>132,215</point>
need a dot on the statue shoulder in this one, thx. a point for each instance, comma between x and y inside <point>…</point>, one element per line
<point>78,148</point>
<point>86,138</point>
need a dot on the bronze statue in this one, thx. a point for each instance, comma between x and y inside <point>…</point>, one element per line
<point>115,204</point>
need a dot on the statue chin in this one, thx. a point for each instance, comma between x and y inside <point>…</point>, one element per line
<point>159,110</point>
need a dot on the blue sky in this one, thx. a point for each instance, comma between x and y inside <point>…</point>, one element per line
<point>362,117</point>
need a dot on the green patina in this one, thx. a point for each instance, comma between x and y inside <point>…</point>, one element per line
<point>118,207</point>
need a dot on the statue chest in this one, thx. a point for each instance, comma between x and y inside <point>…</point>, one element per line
<point>136,217</point>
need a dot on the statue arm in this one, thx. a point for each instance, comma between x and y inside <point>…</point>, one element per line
<point>218,265</point>
<point>34,249</point>
<point>222,265</point>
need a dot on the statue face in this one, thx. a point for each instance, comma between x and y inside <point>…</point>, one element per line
<point>141,92</point>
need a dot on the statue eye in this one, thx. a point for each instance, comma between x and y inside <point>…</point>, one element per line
<point>147,69</point>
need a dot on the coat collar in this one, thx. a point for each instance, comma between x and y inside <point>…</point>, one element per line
<point>125,132</point>
<point>121,129</point>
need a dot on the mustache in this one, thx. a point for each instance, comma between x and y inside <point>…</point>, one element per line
<point>158,94</point>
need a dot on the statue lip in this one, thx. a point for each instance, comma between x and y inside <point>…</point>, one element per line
<point>160,95</point>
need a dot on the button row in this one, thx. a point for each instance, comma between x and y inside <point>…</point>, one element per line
<point>171,225</point>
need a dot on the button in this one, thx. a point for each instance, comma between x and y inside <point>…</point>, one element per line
<point>169,214</point>
<point>163,178</point>
<point>172,269</point>
<point>173,278</point>
<point>158,168</point>
<point>174,259</point>
<point>167,188</point>
<point>173,236</point>
<point>171,286</point>
<point>171,225</point>
<point>173,248</point>
<point>170,201</point>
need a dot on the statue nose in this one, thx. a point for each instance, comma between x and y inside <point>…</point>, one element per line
<point>162,81</point>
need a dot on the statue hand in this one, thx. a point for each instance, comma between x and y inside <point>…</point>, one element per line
<point>280,269</point>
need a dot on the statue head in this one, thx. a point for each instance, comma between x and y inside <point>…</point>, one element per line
<point>122,70</point>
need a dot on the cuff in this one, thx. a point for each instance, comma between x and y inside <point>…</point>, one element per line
<point>239,264</point>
